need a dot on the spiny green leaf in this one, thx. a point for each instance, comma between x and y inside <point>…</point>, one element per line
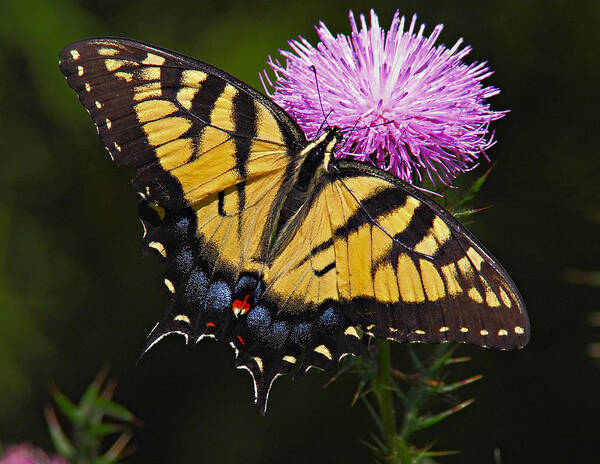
<point>373,413</point>
<point>103,460</point>
<point>105,394</point>
<point>459,360</point>
<point>442,453</point>
<point>61,443</point>
<point>470,192</point>
<point>114,410</point>
<point>378,442</point>
<point>416,361</point>
<point>420,456</point>
<point>68,408</point>
<point>116,450</point>
<point>93,390</point>
<point>465,213</point>
<point>582,277</point>
<point>426,422</point>
<point>377,448</point>
<point>86,403</point>
<point>441,356</point>
<point>345,367</point>
<point>360,390</point>
<point>450,387</point>
<point>398,392</point>
<point>101,430</point>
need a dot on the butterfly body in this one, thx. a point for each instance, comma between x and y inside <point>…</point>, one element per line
<point>269,242</point>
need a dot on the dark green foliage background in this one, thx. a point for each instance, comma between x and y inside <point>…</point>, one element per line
<point>75,293</point>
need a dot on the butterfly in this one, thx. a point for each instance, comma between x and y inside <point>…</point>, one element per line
<point>269,242</point>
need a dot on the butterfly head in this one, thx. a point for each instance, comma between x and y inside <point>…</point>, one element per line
<point>334,136</point>
<point>331,137</point>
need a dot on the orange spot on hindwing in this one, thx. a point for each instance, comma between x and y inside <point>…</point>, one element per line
<point>240,307</point>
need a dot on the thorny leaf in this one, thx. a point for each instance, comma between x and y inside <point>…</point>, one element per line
<point>61,443</point>
<point>425,422</point>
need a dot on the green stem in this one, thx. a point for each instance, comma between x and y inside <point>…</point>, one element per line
<point>384,392</point>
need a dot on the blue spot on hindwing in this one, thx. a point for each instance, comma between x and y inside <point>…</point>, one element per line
<point>184,260</point>
<point>245,282</point>
<point>276,335</point>
<point>301,334</point>
<point>196,287</point>
<point>219,296</point>
<point>180,227</point>
<point>330,319</point>
<point>248,285</point>
<point>258,319</point>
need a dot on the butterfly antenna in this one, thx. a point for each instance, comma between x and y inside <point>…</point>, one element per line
<point>349,134</point>
<point>365,127</point>
<point>314,70</point>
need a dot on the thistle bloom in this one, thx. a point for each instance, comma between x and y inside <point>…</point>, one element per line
<point>404,103</point>
<point>28,454</point>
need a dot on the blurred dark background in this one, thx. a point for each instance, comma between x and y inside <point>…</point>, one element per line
<point>75,294</point>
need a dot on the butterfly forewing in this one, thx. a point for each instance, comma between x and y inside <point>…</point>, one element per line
<point>191,130</point>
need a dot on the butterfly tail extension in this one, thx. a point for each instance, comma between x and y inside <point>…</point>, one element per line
<point>269,344</point>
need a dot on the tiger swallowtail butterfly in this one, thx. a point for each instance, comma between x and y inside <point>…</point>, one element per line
<point>271,244</point>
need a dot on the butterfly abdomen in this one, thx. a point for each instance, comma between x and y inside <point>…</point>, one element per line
<point>310,176</point>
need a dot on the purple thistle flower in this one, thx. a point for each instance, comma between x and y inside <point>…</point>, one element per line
<point>28,454</point>
<point>405,104</point>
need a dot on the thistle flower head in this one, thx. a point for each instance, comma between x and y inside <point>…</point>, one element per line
<point>28,454</point>
<point>404,103</point>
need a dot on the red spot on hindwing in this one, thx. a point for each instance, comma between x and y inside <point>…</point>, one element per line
<point>241,307</point>
<point>241,340</point>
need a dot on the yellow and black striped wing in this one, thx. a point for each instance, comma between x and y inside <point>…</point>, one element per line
<point>400,266</point>
<point>395,264</point>
<point>191,129</point>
